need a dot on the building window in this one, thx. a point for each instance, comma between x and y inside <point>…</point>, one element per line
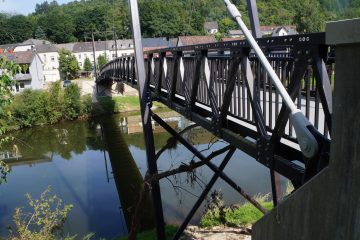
<point>52,58</point>
<point>79,56</point>
<point>114,55</point>
<point>22,85</point>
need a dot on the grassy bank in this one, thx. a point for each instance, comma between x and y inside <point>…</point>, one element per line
<point>151,234</point>
<point>121,104</point>
<point>236,216</point>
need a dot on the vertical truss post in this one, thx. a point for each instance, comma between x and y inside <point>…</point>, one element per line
<point>145,104</point>
<point>254,18</point>
<point>199,69</point>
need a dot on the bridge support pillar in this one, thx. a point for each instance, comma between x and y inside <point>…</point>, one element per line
<point>328,206</point>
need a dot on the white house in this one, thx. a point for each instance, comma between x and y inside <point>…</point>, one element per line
<point>50,57</point>
<point>32,75</point>
<point>29,44</point>
<point>211,27</point>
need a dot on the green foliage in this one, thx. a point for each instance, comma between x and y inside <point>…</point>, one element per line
<point>87,65</point>
<point>75,21</point>
<point>151,235</point>
<point>39,33</point>
<point>226,24</point>
<point>243,215</point>
<point>15,28</point>
<point>72,102</point>
<point>308,16</point>
<point>68,65</point>
<point>7,68</point>
<point>39,107</point>
<point>101,61</point>
<point>44,221</point>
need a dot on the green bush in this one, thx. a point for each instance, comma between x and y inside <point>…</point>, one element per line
<point>72,102</point>
<point>40,107</point>
<point>243,215</point>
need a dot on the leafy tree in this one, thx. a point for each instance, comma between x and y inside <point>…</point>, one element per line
<point>87,65</point>
<point>308,16</point>
<point>45,7</point>
<point>68,65</point>
<point>15,29</point>
<point>39,33</point>
<point>7,68</point>
<point>227,24</point>
<point>101,61</point>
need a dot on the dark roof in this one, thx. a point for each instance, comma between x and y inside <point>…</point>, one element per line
<point>155,42</point>
<point>211,25</point>
<point>35,42</point>
<point>88,46</point>
<point>44,48</point>
<point>193,40</point>
<point>19,57</point>
<point>67,46</point>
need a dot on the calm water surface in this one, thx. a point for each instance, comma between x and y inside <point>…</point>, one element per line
<point>98,166</point>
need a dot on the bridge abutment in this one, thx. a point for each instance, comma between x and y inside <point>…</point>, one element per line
<point>328,206</point>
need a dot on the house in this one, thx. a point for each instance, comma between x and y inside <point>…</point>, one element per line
<point>29,44</point>
<point>284,31</point>
<point>50,57</point>
<point>121,47</point>
<point>267,31</point>
<point>211,27</point>
<point>154,43</point>
<point>32,75</point>
<point>83,50</point>
<point>194,40</point>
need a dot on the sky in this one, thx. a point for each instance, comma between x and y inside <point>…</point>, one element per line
<point>22,6</point>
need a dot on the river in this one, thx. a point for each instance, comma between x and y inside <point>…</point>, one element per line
<point>98,165</point>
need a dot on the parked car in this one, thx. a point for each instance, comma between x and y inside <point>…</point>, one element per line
<point>66,83</point>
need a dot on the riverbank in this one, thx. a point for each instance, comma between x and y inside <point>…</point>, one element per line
<point>121,104</point>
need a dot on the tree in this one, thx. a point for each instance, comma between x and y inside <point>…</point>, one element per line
<point>87,65</point>
<point>39,33</point>
<point>308,16</point>
<point>68,65</point>
<point>8,69</point>
<point>227,24</point>
<point>101,61</point>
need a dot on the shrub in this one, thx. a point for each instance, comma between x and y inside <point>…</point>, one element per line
<point>44,221</point>
<point>40,107</point>
<point>72,103</point>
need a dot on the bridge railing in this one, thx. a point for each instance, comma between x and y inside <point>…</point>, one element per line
<point>214,78</point>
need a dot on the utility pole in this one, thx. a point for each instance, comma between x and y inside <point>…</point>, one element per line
<point>95,68</point>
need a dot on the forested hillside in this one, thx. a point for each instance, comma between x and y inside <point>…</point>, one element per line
<point>169,18</point>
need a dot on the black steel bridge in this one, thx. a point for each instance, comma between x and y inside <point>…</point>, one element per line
<point>225,88</point>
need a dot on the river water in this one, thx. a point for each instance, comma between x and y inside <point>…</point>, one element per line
<point>98,166</point>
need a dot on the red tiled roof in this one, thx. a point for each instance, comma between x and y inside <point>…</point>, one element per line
<point>19,57</point>
<point>193,40</point>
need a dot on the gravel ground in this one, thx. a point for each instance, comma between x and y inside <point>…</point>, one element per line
<point>224,233</point>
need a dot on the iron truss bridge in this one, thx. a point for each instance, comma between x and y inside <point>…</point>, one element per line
<point>223,88</point>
